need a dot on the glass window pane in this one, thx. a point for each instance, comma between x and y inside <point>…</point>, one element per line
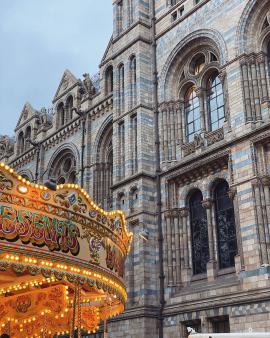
<point>226,234</point>
<point>220,101</point>
<point>199,233</point>
<point>213,104</point>
<point>192,112</point>
<point>221,112</point>
<point>215,101</point>
<point>197,124</point>
<point>214,116</point>
<point>215,126</point>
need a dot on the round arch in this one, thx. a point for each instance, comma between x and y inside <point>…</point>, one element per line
<point>250,27</point>
<point>64,163</point>
<point>192,43</point>
<point>27,174</point>
<point>103,140</point>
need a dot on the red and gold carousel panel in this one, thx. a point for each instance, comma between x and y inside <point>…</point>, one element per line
<point>61,259</point>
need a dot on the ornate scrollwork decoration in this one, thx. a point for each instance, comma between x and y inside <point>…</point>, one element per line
<point>214,136</point>
<point>4,182</point>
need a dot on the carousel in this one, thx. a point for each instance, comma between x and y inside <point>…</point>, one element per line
<point>61,260</point>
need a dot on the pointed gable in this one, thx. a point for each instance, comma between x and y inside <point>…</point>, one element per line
<point>108,51</point>
<point>27,113</point>
<point>68,80</point>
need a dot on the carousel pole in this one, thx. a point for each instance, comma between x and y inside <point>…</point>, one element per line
<point>79,310</point>
<point>74,313</point>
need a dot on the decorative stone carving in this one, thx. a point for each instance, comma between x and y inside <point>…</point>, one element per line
<point>184,212</point>
<point>207,203</point>
<point>88,85</point>
<point>232,193</point>
<point>6,146</point>
<point>265,180</point>
<point>188,148</point>
<point>45,120</point>
<point>214,136</point>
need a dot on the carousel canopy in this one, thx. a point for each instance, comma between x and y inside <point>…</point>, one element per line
<point>61,259</point>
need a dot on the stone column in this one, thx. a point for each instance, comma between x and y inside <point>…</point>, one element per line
<point>244,68</point>
<point>174,130</point>
<point>262,67</point>
<point>260,225</point>
<point>266,189</point>
<point>239,259</point>
<point>201,94</point>
<point>183,121</point>
<point>178,111</point>
<point>161,128</point>
<point>184,215</point>
<point>175,216</point>
<point>168,218</point>
<point>255,86</point>
<point>211,265</point>
<point>222,78</point>
<point>165,132</point>
<point>169,131</point>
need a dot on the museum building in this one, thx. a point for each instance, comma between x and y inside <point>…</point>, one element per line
<point>175,131</point>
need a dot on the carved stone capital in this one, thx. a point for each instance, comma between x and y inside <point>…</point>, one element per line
<point>260,58</point>
<point>168,214</point>
<point>232,193</point>
<point>184,212</point>
<point>214,136</point>
<point>265,180</point>
<point>163,106</point>
<point>172,213</point>
<point>243,61</point>
<point>200,91</point>
<point>252,59</point>
<point>207,203</point>
<point>255,183</point>
<point>222,76</point>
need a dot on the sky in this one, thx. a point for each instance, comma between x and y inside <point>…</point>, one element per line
<point>39,40</point>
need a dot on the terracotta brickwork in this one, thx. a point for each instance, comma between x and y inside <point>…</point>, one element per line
<point>213,65</point>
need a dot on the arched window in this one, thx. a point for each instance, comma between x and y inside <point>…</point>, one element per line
<point>121,71</point>
<point>69,106</point>
<point>121,201</point>
<point>20,143</point>
<point>192,114</point>
<point>109,80</point>
<point>27,137</point>
<point>103,172</point>
<point>226,234</point>
<point>133,81</point>
<point>134,199</point>
<point>61,114</point>
<point>130,12</point>
<point>199,233</point>
<point>63,169</point>
<point>215,102</point>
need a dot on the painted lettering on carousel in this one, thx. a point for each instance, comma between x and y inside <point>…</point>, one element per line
<point>39,230</point>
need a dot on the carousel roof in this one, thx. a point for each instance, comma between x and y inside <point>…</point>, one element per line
<point>61,259</point>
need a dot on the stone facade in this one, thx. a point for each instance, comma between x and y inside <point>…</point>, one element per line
<point>212,62</point>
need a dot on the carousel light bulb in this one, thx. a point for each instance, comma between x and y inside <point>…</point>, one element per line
<point>22,189</point>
